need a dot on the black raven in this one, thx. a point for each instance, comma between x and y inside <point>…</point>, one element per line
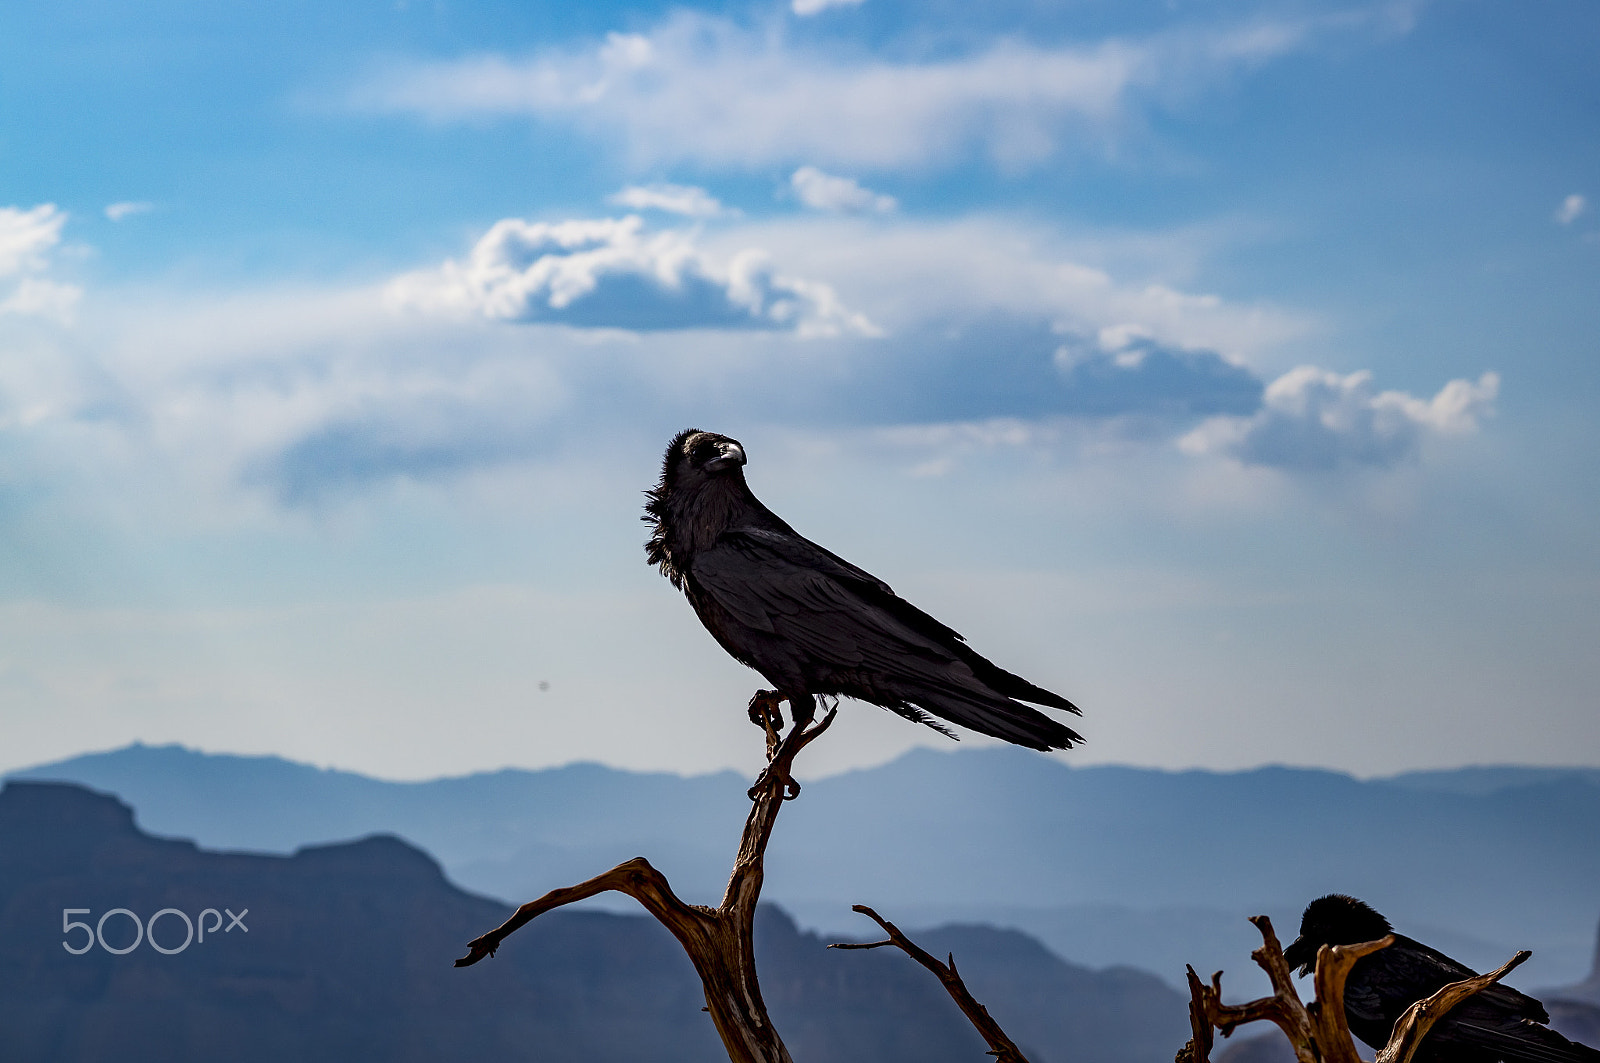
<point>1496,1024</point>
<point>812,623</point>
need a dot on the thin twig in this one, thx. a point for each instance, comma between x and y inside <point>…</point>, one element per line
<point>1000,1046</point>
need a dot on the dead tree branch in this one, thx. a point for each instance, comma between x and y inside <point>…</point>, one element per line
<point>1420,1017</point>
<point>1319,1031</point>
<point>1327,1011</point>
<point>1282,1008</point>
<point>1000,1046</point>
<point>719,941</point>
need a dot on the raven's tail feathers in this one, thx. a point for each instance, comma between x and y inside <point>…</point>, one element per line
<point>992,714</point>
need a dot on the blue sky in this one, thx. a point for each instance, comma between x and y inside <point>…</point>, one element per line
<point>1229,368</point>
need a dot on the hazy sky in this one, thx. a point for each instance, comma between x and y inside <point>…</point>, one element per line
<point>1230,368</point>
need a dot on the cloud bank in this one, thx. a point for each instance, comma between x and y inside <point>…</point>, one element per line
<point>302,398</point>
<point>705,90</point>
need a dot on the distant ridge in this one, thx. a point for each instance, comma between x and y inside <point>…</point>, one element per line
<point>1484,779</point>
<point>1105,864</point>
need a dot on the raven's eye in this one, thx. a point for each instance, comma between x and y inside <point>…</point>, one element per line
<point>703,451</point>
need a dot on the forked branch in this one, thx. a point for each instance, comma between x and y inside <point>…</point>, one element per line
<point>1000,1046</point>
<point>1319,1031</point>
<point>1282,1008</point>
<point>719,941</point>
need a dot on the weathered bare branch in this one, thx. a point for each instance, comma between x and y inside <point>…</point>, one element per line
<point>1319,1032</point>
<point>1420,1017</point>
<point>1327,1011</point>
<point>1198,1050</point>
<point>1283,1007</point>
<point>1000,1046</point>
<point>719,941</point>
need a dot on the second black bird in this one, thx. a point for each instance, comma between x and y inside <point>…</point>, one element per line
<point>1496,1025</point>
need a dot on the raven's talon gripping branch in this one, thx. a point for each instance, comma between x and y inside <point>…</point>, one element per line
<point>764,711</point>
<point>778,775</point>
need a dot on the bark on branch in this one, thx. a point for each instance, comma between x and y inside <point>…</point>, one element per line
<point>719,941</point>
<point>1000,1046</point>
<point>1319,1031</point>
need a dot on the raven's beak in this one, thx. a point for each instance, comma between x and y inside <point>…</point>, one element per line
<point>731,457</point>
<point>1301,955</point>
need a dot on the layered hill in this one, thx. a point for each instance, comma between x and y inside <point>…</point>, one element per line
<point>344,952</point>
<point>1106,865</point>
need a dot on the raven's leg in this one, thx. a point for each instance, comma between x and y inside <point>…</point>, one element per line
<point>764,709</point>
<point>803,708</point>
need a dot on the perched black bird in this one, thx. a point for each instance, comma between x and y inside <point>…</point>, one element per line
<point>811,622</point>
<point>1496,1024</point>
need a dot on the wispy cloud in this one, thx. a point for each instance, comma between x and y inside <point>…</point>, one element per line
<point>127,209</point>
<point>1572,208</point>
<point>686,200</point>
<point>821,191</point>
<point>1313,420</point>
<point>706,90</point>
<point>612,273</point>
<point>812,7</point>
<point>27,238</point>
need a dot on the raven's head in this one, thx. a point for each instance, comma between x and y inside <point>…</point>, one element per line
<point>1333,920</point>
<point>694,461</point>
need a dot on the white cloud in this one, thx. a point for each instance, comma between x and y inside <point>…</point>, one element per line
<point>1313,419</point>
<point>703,89</point>
<point>687,200</point>
<point>27,239</point>
<point>612,273</point>
<point>1572,208</point>
<point>821,191</point>
<point>812,7</point>
<point>127,209</point>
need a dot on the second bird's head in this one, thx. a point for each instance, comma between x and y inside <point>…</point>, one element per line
<point>694,457</point>
<point>1336,919</point>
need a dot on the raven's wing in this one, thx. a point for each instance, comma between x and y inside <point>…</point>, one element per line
<point>1427,964</point>
<point>809,614</point>
<point>1476,1024</point>
<point>1497,1020</point>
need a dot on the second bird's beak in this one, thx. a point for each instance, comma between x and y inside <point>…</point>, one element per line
<point>732,456</point>
<point>1300,955</point>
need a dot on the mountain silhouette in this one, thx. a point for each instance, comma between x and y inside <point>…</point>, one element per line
<point>1106,865</point>
<point>344,953</point>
